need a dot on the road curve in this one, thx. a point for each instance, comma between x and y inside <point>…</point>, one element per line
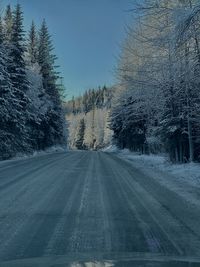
<point>90,203</point>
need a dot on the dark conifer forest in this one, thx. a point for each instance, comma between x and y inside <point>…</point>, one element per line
<point>31,115</point>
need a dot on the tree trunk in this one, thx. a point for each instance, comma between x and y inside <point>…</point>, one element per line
<point>191,148</point>
<point>181,152</point>
<point>176,154</point>
<point>189,125</point>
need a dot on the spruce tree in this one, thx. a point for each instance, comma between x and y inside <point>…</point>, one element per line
<point>80,137</point>
<point>4,75</point>
<point>47,62</point>
<point>10,110</point>
<point>31,115</point>
<point>4,98</point>
<point>55,120</point>
<point>17,66</point>
<point>8,24</point>
<point>17,72</point>
<point>32,46</point>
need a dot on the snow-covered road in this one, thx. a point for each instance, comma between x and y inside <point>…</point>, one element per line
<point>94,204</point>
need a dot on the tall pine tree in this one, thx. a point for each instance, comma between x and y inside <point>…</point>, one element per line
<point>17,66</point>
<point>32,45</point>
<point>47,62</point>
<point>31,115</point>
<point>10,109</point>
<point>8,24</point>
<point>54,127</point>
<point>80,138</point>
<point>17,72</point>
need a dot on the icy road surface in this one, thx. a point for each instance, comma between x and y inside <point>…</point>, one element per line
<point>91,203</point>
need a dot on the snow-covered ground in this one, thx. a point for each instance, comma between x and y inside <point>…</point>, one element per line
<point>182,178</point>
<point>190,173</point>
<point>20,156</point>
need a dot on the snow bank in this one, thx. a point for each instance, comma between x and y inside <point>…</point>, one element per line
<point>184,179</point>
<point>50,150</point>
<point>160,167</point>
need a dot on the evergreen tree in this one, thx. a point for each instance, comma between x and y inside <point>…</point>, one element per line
<point>20,84</point>
<point>17,66</point>
<point>32,46</point>
<point>128,122</point>
<point>47,62</point>
<point>31,116</point>
<point>10,109</point>
<point>85,102</point>
<point>5,84</point>
<point>55,120</point>
<point>4,75</point>
<point>8,24</point>
<point>73,106</point>
<point>80,137</point>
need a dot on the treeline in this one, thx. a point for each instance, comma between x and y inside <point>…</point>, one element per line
<point>87,118</point>
<point>92,98</point>
<point>157,105</point>
<point>31,116</point>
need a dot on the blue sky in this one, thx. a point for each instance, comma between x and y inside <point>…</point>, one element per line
<point>87,35</point>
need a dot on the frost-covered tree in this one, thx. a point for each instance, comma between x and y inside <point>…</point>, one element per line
<point>30,117</point>
<point>94,107</point>
<point>11,119</point>
<point>55,117</point>
<point>159,67</point>
<point>17,73</point>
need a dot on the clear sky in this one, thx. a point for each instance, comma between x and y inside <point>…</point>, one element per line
<point>87,35</point>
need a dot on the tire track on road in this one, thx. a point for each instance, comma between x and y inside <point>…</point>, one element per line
<point>26,221</point>
<point>151,200</point>
<point>125,230</point>
<point>60,239</point>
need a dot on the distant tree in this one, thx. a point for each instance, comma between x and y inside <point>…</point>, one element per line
<point>94,106</point>
<point>73,105</point>
<point>80,137</point>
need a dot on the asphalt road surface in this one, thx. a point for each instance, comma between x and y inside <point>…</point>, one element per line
<point>90,203</point>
